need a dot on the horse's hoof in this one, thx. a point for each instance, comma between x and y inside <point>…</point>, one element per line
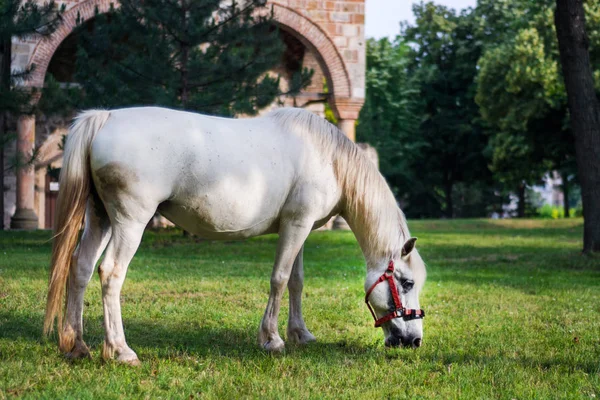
<point>129,358</point>
<point>274,346</point>
<point>78,354</point>
<point>134,363</point>
<point>301,336</point>
<point>79,351</point>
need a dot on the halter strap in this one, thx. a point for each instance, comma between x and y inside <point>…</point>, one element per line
<point>399,311</point>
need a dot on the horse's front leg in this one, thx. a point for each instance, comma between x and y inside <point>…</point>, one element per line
<point>296,330</point>
<point>291,238</point>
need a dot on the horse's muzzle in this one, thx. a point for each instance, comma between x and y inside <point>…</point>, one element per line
<point>396,341</point>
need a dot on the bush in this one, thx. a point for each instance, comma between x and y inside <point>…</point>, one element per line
<point>552,212</point>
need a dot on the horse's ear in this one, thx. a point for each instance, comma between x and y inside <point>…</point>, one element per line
<point>408,246</point>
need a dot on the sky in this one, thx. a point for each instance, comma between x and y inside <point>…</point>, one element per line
<point>383,16</point>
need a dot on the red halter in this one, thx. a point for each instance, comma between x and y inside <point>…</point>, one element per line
<point>399,311</point>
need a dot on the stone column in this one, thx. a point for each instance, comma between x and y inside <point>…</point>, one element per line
<point>40,196</point>
<point>25,217</point>
<point>348,126</point>
<point>346,110</point>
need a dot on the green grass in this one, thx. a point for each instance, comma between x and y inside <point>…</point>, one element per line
<point>513,311</point>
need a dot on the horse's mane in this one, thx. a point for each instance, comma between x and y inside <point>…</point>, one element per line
<point>370,206</point>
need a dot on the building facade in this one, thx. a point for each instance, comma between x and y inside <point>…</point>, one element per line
<point>324,35</point>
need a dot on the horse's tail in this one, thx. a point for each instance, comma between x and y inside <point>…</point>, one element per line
<point>75,182</point>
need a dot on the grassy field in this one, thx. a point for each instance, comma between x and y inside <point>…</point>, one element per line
<point>513,311</point>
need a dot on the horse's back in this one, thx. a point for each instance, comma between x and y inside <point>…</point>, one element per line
<point>213,176</point>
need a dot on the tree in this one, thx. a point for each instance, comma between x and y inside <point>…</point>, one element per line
<point>521,96</point>
<point>444,60</point>
<point>20,20</point>
<point>583,103</point>
<point>390,116</point>
<point>206,56</point>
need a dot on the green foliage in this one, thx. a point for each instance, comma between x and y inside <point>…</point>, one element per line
<point>27,19</point>
<point>552,212</point>
<point>476,199</point>
<point>518,81</point>
<point>421,115</point>
<point>390,116</point>
<point>60,98</point>
<point>329,114</point>
<point>548,211</point>
<point>191,311</point>
<point>513,160</point>
<point>490,116</point>
<point>521,91</point>
<point>443,58</point>
<point>207,56</point>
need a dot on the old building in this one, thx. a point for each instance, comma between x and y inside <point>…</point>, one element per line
<point>325,35</point>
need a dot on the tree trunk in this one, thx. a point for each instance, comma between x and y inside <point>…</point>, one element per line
<point>2,129</point>
<point>449,205</point>
<point>585,112</point>
<point>185,56</point>
<point>565,190</point>
<point>5,61</point>
<point>185,51</point>
<point>521,205</point>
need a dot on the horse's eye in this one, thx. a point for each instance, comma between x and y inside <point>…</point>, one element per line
<point>407,284</point>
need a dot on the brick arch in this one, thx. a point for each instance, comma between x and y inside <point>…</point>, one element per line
<point>307,31</point>
<point>313,37</point>
<point>43,52</point>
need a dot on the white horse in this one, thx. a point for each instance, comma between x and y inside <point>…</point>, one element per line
<point>286,173</point>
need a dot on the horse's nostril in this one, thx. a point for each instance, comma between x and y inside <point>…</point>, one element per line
<point>417,342</point>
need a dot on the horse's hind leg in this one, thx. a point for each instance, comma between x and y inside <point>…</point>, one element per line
<point>93,242</point>
<point>126,237</point>
<point>296,330</point>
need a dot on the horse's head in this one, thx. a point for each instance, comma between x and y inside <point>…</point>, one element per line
<point>392,293</point>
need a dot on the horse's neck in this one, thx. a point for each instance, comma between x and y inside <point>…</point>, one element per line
<point>377,222</point>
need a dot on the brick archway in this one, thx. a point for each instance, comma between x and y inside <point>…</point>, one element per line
<point>43,52</point>
<point>307,31</point>
<point>313,37</point>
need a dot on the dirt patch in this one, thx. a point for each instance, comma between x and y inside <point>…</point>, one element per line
<point>115,178</point>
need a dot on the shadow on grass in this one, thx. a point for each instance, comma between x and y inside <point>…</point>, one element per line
<point>21,327</point>
<point>156,341</point>
<point>543,363</point>
<point>166,341</point>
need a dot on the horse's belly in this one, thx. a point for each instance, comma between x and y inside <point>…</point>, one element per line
<point>221,222</point>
